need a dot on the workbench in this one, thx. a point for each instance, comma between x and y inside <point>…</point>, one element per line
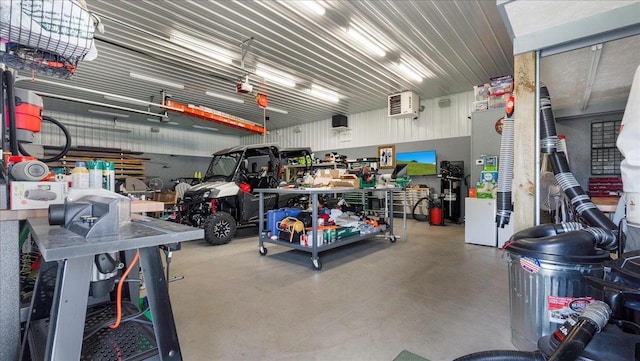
<point>75,256</point>
<point>316,248</point>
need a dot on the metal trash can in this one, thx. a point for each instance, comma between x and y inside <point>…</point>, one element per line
<point>547,283</point>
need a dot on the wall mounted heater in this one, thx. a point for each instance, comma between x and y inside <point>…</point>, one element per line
<point>404,105</point>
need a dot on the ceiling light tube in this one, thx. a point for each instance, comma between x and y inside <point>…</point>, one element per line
<point>356,35</point>
<point>117,130</point>
<point>225,97</point>
<point>127,100</point>
<point>202,47</point>
<point>156,120</point>
<point>275,76</point>
<point>117,115</point>
<point>409,72</point>
<point>205,128</point>
<point>315,6</point>
<point>277,110</point>
<point>325,94</point>
<point>151,79</point>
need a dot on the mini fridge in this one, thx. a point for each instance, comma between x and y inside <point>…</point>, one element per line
<point>480,223</point>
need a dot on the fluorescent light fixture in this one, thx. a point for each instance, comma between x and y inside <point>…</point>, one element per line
<point>323,93</point>
<point>275,76</point>
<point>100,112</point>
<point>117,130</point>
<point>277,110</point>
<point>152,79</point>
<point>364,41</point>
<point>409,72</point>
<point>202,47</point>
<point>315,6</point>
<point>205,128</point>
<point>225,97</point>
<point>121,99</point>
<point>156,120</point>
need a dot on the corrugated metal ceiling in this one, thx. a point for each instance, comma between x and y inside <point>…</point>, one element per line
<point>455,44</point>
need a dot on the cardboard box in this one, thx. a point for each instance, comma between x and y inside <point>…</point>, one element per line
<point>347,180</point>
<point>36,195</point>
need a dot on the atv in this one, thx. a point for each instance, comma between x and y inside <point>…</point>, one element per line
<point>226,200</point>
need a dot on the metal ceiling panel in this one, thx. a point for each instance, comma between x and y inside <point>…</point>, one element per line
<point>455,45</point>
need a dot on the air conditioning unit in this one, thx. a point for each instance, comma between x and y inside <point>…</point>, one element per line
<point>404,105</point>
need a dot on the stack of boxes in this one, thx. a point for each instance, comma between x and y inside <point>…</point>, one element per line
<point>493,95</point>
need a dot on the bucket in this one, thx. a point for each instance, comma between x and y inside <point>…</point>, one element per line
<point>547,284</point>
<point>435,215</point>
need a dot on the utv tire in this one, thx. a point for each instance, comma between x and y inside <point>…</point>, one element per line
<point>219,228</point>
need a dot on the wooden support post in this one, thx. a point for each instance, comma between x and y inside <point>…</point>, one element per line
<point>525,136</point>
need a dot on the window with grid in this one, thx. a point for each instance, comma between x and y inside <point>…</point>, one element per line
<point>605,156</point>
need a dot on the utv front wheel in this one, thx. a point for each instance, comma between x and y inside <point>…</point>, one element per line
<point>219,228</point>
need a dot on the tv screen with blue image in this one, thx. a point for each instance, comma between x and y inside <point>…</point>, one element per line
<point>419,162</point>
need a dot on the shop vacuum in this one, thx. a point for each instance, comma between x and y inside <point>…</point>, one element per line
<point>575,257</point>
<point>22,117</point>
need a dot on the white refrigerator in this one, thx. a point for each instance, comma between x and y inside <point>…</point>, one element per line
<point>480,223</point>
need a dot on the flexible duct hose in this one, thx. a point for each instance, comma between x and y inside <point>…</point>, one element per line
<point>546,230</point>
<point>548,133</point>
<point>11,105</point>
<point>549,144</point>
<point>66,147</point>
<point>505,179</point>
<point>503,355</point>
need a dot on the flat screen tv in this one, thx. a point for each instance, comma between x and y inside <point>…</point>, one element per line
<point>418,163</point>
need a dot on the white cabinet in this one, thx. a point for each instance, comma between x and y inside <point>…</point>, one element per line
<point>480,223</point>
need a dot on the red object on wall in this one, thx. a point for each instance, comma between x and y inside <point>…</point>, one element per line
<point>262,100</point>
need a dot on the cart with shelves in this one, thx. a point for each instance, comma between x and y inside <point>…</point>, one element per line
<point>315,248</point>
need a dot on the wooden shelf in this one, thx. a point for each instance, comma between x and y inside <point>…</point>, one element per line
<point>126,165</point>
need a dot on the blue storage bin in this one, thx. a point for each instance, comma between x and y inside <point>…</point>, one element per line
<point>275,216</point>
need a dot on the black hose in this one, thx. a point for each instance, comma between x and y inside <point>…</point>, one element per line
<point>66,147</point>
<point>503,355</point>
<point>3,117</point>
<point>548,133</point>
<point>546,230</point>
<point>579,199</point>
<point>11,105</point>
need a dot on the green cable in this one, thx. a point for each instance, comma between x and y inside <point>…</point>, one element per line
<point>24,234</point>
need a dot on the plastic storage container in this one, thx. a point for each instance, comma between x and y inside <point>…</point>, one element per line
<point>275,216</point>
<point>80,176</point>
<point>547,283</point>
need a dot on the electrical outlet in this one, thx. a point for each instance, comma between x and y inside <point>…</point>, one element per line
<point>479,162</point>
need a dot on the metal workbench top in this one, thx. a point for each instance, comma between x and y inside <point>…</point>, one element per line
<point>56,243</point>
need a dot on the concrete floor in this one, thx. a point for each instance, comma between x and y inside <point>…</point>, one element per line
<point>430,294</point>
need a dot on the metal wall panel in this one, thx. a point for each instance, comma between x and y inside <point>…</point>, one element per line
<point>374,127</point>
<point>170,140</point>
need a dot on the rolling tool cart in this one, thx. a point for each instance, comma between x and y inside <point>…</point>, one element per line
<point>317,244</point>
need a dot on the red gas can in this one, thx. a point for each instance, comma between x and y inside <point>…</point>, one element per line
<point>435,216</point>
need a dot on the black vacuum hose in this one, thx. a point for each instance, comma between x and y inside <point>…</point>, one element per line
<point>66,147</point>
<point>11,105</point>
<point>503,355</point>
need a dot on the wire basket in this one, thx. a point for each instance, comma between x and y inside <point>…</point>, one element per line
<point>47,36</point>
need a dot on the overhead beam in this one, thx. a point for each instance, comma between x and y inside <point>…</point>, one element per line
<point>613,24</point>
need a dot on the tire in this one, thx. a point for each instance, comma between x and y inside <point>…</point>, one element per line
<point>219,228</point>
<point>421,210</point>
